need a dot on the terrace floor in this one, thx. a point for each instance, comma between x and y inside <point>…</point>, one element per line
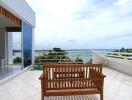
<point>117,86</point>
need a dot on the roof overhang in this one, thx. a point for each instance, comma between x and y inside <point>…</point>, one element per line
<point>7,19</point>
<point>21,9</point>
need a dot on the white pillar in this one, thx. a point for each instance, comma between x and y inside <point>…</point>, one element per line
<point>10,48</point>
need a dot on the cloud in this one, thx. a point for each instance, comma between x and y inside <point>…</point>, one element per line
<point>82,23</point>
<point>121,2</point>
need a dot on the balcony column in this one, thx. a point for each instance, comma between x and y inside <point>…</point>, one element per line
<point>10,48</point>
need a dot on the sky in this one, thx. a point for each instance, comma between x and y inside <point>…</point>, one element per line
<point>82,24</point>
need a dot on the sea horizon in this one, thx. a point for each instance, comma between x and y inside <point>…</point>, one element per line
<point>73,49</point>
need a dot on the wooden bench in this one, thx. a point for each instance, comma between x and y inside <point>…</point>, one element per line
<point>56,81</point>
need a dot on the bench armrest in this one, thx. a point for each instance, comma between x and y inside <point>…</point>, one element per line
<point>103,75</point>
<point>41,76</point>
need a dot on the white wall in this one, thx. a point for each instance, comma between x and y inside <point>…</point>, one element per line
<point>121,65</point>
<point>21,9</point>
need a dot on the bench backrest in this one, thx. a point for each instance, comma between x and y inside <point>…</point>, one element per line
<point>72,76</point>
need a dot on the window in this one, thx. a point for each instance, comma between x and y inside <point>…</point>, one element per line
<point>27,44</point>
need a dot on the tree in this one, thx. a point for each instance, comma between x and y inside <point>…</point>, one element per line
<point>122,50</point>
<point>78,60</point>
<point>17,60</point>
<point>128,50</point>
<point>55,55</point>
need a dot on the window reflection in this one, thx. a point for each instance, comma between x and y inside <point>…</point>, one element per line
<point>27,44</point>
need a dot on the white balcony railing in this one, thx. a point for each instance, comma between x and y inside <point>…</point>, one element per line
<point>115,60</point>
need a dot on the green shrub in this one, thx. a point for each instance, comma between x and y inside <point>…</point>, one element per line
<point>37,67</point>
<point>78,60</point>
<point>55,55</point>
<point>17,60</point>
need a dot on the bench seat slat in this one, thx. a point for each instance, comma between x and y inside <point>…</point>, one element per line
<point>63,92</point>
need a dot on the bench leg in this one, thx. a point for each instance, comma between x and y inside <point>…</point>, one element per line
<point>42,97</point>
<point>42,90</point>
<point>101,96</point>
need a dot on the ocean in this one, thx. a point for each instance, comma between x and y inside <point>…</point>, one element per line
<point>84,54</point>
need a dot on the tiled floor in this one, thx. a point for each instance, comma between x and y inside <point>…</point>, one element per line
<point>27,87</point>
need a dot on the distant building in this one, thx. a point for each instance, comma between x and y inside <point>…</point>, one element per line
<point>16,16</point>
